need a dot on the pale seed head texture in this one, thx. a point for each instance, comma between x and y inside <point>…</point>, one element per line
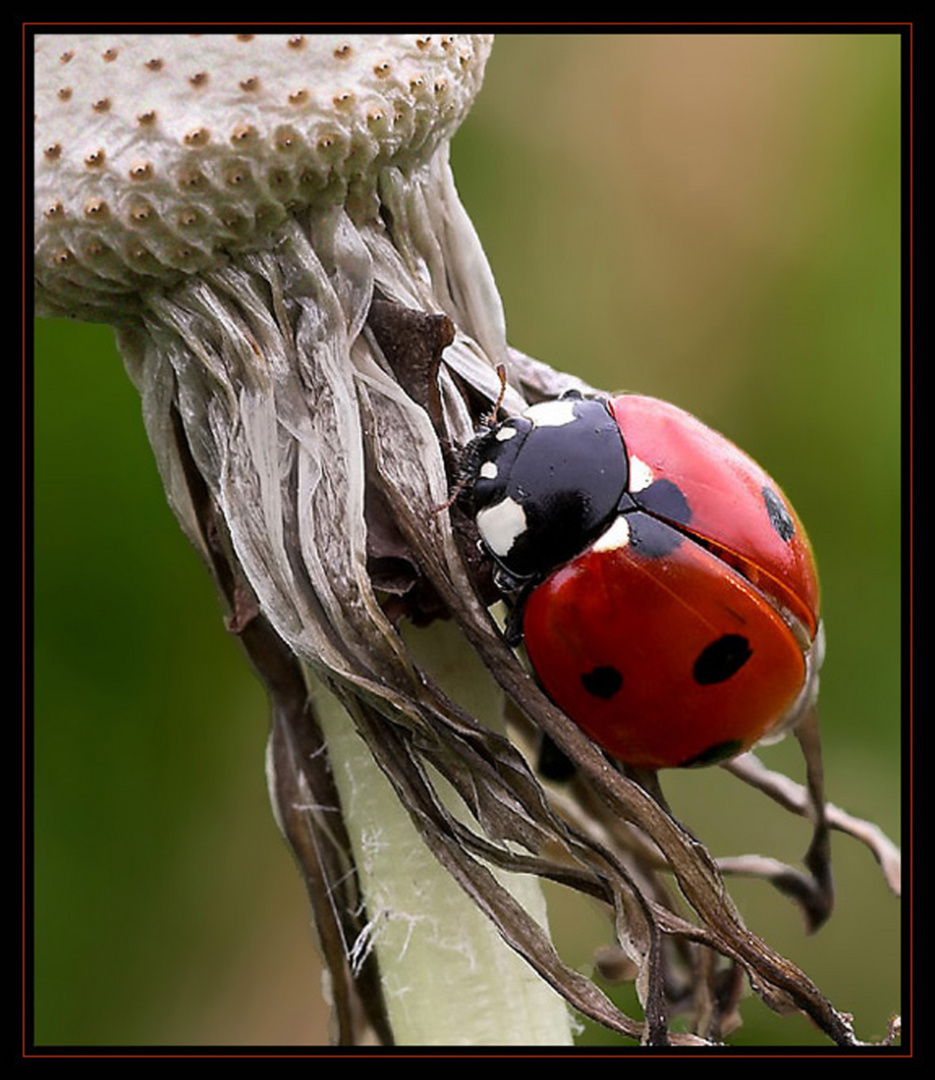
<point>155,156</point>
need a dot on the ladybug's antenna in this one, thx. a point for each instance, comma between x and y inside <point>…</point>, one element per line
<point>488,420</point>
<point>453,497</point>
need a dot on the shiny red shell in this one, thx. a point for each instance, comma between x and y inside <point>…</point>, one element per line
<point>693,655</point>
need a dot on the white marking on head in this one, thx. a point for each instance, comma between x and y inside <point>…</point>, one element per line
<point>505,433</point>
<point>641,475</point>
<point>616,535</point>
<point>552,413</point>
<point>489,470</point>
<point>501,524</point>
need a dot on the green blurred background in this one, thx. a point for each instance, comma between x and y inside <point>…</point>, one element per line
<point>713,219</point>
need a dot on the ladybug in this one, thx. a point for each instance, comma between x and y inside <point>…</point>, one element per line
<point>662,584</point>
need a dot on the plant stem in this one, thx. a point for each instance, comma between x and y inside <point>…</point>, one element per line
<point>448,976</point>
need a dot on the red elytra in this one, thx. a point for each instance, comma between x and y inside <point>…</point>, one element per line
<point>693,655</point>
<point>724,488</point>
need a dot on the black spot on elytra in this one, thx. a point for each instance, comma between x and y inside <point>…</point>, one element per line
<point>651,538</point>
<point>714,754</point>
<point>721,659</point>
<point>602,682</point>
<point>779,516</point>
<point>666,500</point>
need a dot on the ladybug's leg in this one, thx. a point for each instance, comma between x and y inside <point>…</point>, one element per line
<point>648,780</point>
<point>552,763</point>
<point>513,628</point>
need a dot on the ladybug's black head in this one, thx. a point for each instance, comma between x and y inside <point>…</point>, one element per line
<point>543,485</point>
